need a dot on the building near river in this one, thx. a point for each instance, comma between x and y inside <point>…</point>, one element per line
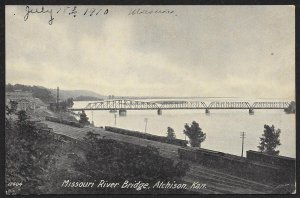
<point>25,104</point>
<point>17,95</point>
<point>25,100</point>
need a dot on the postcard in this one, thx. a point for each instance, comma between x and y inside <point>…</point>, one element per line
<point>150,99</point>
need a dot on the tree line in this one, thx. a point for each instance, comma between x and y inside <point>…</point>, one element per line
<point>269,140</point>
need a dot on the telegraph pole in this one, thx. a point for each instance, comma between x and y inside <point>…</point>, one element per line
<point>57,98</point>
<point>243,136</point>
<point>146,120</point>
<point>185,134</point>
<point>92,117</point>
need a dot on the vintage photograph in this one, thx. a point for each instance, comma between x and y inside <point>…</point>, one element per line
<point>150,99</point>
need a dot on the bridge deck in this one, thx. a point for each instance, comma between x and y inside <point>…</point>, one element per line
<point>108,109</point>
<point>141,105</point>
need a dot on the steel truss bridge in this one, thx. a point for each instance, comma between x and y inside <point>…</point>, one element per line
<point>123,105</point>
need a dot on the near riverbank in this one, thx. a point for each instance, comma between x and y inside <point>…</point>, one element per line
<point>216,182</point>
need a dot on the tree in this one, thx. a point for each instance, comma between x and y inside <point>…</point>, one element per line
<point>195,134</point>
<point>291,108</point>
<point>12,108</point>
<point>70,102</point>
<point>84,119</point>
<point>25,127</point>
<point>9,110</point>
<point>22,116</point>
<point>171,133</point>
<point>62,105</point>
<point>269,140</point>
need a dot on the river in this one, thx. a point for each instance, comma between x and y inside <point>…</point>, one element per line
<point>222,127</point>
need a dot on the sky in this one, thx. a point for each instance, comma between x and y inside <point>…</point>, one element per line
<point>199,51</point>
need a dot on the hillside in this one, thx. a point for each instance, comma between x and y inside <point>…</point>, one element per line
<point>64,94</point>
<point>37,91</point>
<point>49,95</point>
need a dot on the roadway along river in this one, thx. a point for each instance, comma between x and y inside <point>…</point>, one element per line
<point>222,127</point>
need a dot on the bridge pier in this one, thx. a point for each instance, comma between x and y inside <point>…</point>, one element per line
<point>251,112</point>
<point>122,112</point>
<point>159,112</point>
<point>207,112</point>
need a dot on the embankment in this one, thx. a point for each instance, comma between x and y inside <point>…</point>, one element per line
<point>147,136</point>
<point>272,170</point>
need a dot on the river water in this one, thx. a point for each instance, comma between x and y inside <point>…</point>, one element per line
<point>222,127</point>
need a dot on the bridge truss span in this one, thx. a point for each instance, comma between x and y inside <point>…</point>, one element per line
<point>270,105</point>
<point>184,105</point>
<point>229,105</point>
<point>121,104</point>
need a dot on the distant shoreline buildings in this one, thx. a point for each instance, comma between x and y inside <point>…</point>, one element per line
<point>25,100</point>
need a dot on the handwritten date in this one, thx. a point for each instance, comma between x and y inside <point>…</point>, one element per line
<point>64,10</point>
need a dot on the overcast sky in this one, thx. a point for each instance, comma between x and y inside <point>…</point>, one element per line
<point>237,51</point>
